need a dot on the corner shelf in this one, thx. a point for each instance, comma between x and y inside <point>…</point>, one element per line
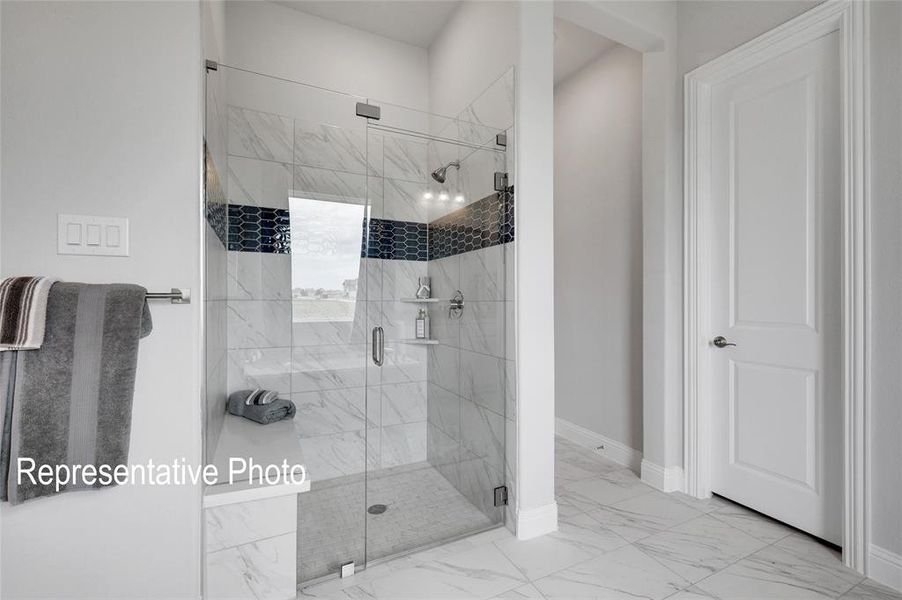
<point>419,341</point>
<point>419,300</point>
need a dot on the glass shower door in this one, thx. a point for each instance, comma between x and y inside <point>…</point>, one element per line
<point>298,178</point>
<point>436,406</point>
<point>292,229</point>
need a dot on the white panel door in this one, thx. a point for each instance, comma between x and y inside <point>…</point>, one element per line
<point>775,289</point>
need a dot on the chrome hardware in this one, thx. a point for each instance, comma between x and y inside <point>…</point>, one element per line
<point>440,173</point>
<point>721,342</point>
<point>456,305</point>
<point>501,139</point>
<point>176,296</point>
<point>378,346</point>
<point>370,111</point>
<point>211,65</point>
<point>347,569</point>
<point>500,181</point>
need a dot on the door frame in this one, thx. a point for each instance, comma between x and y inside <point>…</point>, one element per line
<point>849,19</point>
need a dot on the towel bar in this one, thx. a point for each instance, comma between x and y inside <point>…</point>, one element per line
<point>177,296</point>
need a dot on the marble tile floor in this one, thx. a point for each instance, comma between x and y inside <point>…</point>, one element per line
<point>422,508</point>
<point>619,538</point>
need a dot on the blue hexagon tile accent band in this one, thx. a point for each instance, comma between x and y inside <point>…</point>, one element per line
<point>484,223</point>
<point>259,229</point>
<point>396,240</point>
<point>214,200</point>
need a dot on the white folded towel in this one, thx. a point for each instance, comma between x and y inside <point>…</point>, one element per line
<point>23,312</point>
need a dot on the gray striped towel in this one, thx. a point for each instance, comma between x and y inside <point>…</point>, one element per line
<point>70,402</point>
<point>23,312</point>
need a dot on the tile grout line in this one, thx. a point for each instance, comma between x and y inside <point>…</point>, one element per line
<point>251,542</point>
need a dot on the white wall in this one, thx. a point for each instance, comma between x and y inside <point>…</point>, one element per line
<point>598,246</point>
<point>277,40</point>
<point>711,28</point>
<point>213,28</point>
<point>886,280</point>
<point>650,27</point>
<point>479,43</point>
<point>476,46</point>
<point>101,116</point>
<point>534,127</point>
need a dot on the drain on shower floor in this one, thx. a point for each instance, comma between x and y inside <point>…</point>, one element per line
<point>377,509</point>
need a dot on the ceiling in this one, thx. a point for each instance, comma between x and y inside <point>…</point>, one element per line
<point>575,47</point>
<point>416,22</point>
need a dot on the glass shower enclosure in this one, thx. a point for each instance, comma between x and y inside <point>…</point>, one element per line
<point>357,267</point>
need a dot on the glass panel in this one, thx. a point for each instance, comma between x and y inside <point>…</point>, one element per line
<point>437,406</point>
<point>330,337</point>
<point>215,260</point>
<point>324,227</point>
<point>294,160</point>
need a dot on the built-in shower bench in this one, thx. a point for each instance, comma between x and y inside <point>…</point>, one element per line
<point>250,530</point>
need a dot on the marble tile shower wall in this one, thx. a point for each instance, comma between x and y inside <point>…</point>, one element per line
<point>350,416</point>
<point>467,376</point>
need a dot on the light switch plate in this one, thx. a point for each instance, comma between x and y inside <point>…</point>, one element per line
<point>92,236</point>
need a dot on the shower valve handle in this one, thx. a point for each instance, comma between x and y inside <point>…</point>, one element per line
<point>456,305</point>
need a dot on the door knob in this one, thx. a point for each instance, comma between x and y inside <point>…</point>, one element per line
<point>721,342</point>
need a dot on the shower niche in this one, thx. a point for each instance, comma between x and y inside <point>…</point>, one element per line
<point>323,229</point>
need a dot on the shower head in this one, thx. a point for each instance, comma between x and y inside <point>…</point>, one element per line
<point>439,174</point>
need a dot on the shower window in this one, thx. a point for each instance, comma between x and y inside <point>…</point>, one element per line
<point>326,263</point>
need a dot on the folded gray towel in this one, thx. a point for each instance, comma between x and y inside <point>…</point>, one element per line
<point>273,411</point>
<point>72,398</point>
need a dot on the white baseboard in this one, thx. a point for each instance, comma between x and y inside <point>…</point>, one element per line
<point>610,449</point>
<point>669,479</point>
<point>885,567</point>
<point>534,522</point>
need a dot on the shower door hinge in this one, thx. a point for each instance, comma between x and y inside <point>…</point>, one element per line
<point>501,140</point>
<point>346,570</point>
<point>370,111</point>
<point>500,182</point>
<point>501,495</point>
<point>211,65</point>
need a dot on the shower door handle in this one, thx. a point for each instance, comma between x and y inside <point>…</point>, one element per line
<point>378,346</point>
